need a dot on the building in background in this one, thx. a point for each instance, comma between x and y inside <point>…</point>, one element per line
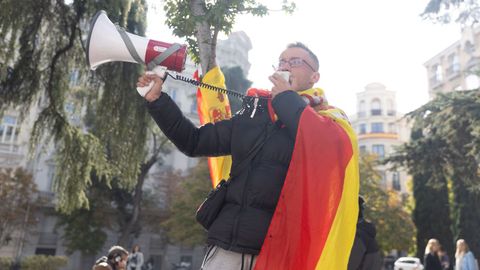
<point>456,67</point>
<point>380,128</point>
<point>234,51</point>
<point>45,238</point>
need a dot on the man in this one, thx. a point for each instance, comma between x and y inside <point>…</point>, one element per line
<point>365,254</point>
<point>237,234</point>
<point>115,260</point>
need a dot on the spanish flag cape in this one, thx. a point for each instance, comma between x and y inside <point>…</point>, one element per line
<point>314,224</point>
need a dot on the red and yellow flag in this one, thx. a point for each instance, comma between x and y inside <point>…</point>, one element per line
<point>212,107</point>
<point>314,224</point>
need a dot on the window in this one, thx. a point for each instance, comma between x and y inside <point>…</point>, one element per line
<point>390,108</point>
<point>438,73</point>
<point>377,128</point>
<point>45,251</point>
<point>383,178</point>
<point>379,150</point>
<point>376,107</point>
<point>362,129</point>
<point>363,149</point>
<point>9,130</point>
<point>396,181</point>
<point>454,64</point>
<point>362,109</point>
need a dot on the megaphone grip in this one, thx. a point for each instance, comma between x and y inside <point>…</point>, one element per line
<point>160,72</point>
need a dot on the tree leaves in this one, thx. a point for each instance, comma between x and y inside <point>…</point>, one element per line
<point>17,194</point>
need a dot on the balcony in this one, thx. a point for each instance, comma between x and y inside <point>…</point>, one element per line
<point>375,112</point>
<point>453,71</point>
<point>378,135</point>
<point>391,113</point>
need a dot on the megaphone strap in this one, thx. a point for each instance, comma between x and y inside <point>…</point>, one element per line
<point>161,57</point>
<point>131,49</point>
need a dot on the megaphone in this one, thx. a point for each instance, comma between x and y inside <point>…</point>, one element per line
<point>109,43</point>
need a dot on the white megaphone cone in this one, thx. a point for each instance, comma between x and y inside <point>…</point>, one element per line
<point>109,43</point>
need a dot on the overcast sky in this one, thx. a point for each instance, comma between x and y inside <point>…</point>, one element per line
<point>357,42</point>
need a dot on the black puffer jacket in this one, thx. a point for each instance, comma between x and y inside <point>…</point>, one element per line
<point>252,194</point>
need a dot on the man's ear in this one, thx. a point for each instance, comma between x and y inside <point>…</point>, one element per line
<point>315,77</point>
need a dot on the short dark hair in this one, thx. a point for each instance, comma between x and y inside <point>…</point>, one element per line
<point>310,53</point>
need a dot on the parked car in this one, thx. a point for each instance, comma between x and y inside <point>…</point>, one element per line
<point>408,263</point>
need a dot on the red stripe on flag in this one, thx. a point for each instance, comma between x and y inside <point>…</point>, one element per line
<point>310,196</point>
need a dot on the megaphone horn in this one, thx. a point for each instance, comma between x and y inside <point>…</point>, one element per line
<point>108,43</point>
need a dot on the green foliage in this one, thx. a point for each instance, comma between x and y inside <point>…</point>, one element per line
<point>445,145</point>
<point>395,229</point>
<point>17,193</point>
<point>47,40</point>
<point>188,193</point>
<point>84,228</point>
<point>5,262</point>
<point>218,15</point>
<point>432,212</point>
<point>235,80</point>
<point>463,12</point>
<point>43,262</point>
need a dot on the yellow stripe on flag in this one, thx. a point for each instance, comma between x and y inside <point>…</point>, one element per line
<point>213,107</point>
<point>336,252</point>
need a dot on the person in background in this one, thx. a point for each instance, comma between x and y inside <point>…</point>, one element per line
<point>464,259</point>
<point>431,259</point>
<point>135,259</point>
<point>444,259</point>
<point>365,254</point>
<point>115,260</point>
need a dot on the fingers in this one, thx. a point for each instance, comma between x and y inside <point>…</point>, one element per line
<point>146,79</point>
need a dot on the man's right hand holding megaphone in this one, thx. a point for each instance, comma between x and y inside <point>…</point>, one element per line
<point>153,83</point>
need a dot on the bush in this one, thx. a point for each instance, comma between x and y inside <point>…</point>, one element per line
<point>5,262</point>
<point>43,262</point>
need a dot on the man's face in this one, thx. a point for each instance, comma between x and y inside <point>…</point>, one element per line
<point>303,74</point>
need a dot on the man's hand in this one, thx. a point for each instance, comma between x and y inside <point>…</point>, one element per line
<point>279,84</point>
<point>156,90</point>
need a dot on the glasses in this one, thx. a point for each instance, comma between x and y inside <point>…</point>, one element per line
<point>294,62</point>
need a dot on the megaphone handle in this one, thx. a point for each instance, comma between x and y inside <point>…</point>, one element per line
<point>160,72</point>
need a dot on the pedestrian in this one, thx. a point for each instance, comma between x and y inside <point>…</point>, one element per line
<point>464,258</point>
<point>444,259</point>
<point>261,139</point>
<point>431,259</point>
<point>116,259</point>
<point>365,254</point>
<point>135,259</point>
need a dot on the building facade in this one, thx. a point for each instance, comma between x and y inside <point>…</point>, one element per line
<point>234,51</point>
<point>380,128</point>
<point>456,67</point>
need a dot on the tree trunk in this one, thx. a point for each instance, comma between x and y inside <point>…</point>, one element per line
<point>207,40</point>
<point>132,224</point>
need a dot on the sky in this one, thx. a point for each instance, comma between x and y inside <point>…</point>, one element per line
<point>357,43</point>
